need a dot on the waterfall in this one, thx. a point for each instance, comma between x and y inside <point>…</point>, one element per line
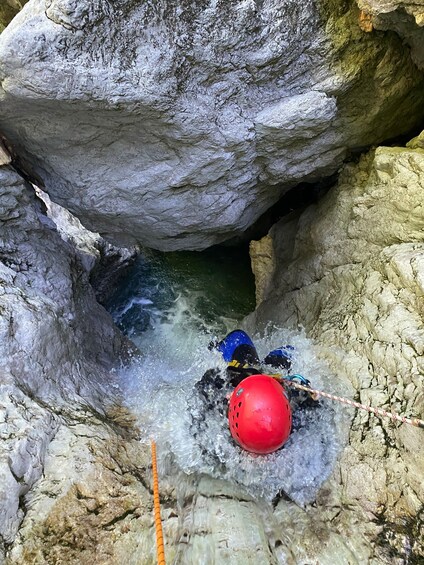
<point>172,306</point>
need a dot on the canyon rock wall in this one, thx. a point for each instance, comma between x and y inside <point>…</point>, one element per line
<point>177,125</point>
<point>57,345</point>
<point>76,483</point>
<point>350,270</point>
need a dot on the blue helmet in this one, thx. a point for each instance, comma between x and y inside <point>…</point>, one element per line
<point>237,346</point>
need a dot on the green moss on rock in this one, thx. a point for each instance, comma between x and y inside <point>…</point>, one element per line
<point>8,10</point>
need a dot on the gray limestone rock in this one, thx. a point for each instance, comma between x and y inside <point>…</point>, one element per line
<point>75,480</point>
<point>104,262</point>
<point>57,345</point>
<point>177,125</point>
<point>350,270</point>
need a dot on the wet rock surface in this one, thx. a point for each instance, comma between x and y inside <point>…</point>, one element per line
<point>58,346</point>
<point>178,126</point>
<point>350,270</point>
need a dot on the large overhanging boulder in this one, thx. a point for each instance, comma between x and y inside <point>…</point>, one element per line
<point>177,124</point>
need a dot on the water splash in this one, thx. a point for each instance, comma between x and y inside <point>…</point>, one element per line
<point>160,389</point>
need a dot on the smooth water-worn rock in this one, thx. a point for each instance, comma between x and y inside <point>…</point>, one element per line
<point>57,345</point>
<point>177,125</point>
<point>351,271</point>
<point>48,304</point>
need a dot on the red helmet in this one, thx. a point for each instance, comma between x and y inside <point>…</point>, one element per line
<point>259,414</point>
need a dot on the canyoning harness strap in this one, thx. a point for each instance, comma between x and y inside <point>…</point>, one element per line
<point>237,364</point>
<point>237,372</point>
<point>297,379</point>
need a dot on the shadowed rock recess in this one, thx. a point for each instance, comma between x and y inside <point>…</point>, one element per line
<point>175,125</point>
<point>406,17</point>
<point>8,10</point>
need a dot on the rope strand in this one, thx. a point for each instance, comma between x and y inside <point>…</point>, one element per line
<point>373,410</point>
<point>156,504</point>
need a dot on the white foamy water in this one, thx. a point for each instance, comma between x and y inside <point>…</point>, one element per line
<point>160,390</point>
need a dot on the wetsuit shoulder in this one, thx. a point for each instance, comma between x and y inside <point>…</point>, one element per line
<point>211,378</point>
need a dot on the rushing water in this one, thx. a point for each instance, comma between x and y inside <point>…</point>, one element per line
<point>171,306</point>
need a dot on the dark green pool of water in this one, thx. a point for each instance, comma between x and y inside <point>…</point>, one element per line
<point>212,287</point>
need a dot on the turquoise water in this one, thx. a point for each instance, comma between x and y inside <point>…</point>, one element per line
<point>217,285</point>
<point>172,305</point>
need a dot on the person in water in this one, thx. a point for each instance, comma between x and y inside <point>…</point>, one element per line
<point>257,407</point>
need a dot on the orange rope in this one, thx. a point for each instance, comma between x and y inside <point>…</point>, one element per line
<point>160,551</point>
